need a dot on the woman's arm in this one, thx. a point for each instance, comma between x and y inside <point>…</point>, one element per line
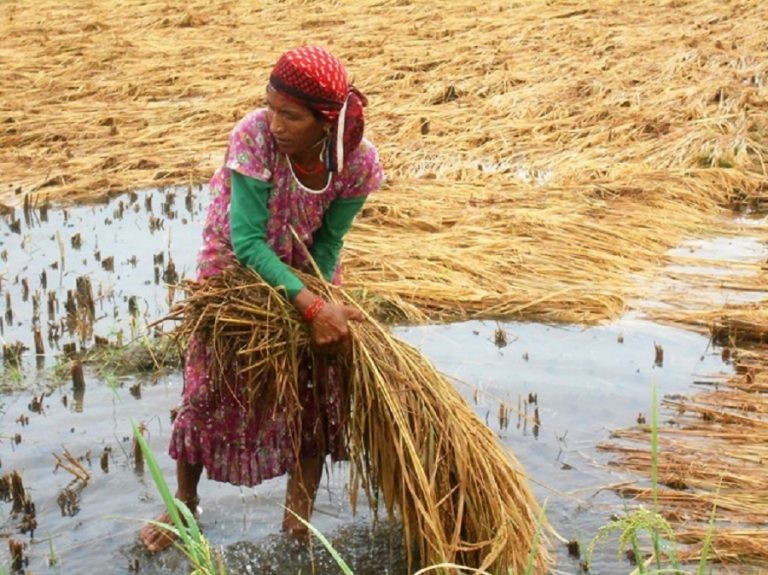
<point>329,239</point>
<point>248,217</point>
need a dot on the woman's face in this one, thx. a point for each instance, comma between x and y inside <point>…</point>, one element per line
<point>295,128</point>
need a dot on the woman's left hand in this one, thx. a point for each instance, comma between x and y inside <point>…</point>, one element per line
<point>331,325</point>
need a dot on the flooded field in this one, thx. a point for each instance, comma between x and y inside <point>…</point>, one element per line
<point>551,393</point>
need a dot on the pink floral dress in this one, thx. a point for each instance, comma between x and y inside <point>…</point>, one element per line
<point>234,446</point>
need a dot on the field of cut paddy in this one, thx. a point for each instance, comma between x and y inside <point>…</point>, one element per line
<point>573,216</point>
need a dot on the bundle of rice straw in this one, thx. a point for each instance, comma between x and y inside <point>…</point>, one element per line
<point>412,440</point>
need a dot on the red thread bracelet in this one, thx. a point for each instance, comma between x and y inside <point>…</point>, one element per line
<point>313,309</point>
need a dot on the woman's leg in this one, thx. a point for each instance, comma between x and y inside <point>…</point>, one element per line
<point>187,480</point>
<point>156,538</point>
<point>303,482</point>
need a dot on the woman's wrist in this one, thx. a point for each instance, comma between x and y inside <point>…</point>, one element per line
<point>313,309</point>
<point>308,304</point>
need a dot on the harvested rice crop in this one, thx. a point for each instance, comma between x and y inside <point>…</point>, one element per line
<point>413,442</point>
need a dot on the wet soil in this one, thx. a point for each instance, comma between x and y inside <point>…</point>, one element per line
<point>551,393</point>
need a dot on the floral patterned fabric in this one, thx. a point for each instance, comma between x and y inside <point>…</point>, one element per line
<point>240,448</point>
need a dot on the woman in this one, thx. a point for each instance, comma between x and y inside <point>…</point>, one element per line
<point>301,164</point>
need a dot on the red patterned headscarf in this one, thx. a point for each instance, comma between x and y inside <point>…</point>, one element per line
<point>316,79</point>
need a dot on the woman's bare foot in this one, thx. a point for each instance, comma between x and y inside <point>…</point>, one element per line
<point>300,497</point>
<point>298,534</point>
<point>155,537</point>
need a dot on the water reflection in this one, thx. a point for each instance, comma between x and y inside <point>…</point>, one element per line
<point>101,269</point>
<point>90,275</point>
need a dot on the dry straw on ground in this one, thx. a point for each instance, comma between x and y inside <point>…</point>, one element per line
<point>414,444</point>
<point>530,147</point>
<point>542,156</point>
<point>711,462</point>
<point>712,443</point>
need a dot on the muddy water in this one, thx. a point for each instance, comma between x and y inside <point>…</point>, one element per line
<point>573,386</point>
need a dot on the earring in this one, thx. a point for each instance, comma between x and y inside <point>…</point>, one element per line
<point>324,147</point>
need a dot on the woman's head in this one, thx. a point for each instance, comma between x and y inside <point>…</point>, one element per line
<point>312,78</point>
<point>295,127</point>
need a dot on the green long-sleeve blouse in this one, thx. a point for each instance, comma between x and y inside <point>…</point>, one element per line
<point>249,214</point>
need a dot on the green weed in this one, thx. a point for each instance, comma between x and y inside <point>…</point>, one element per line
<point>193,544</point>
<point>12,378</point>
<point>327,544</point>
<point>707,545</point>
<point>650,523</point>
<point>53,559</point>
